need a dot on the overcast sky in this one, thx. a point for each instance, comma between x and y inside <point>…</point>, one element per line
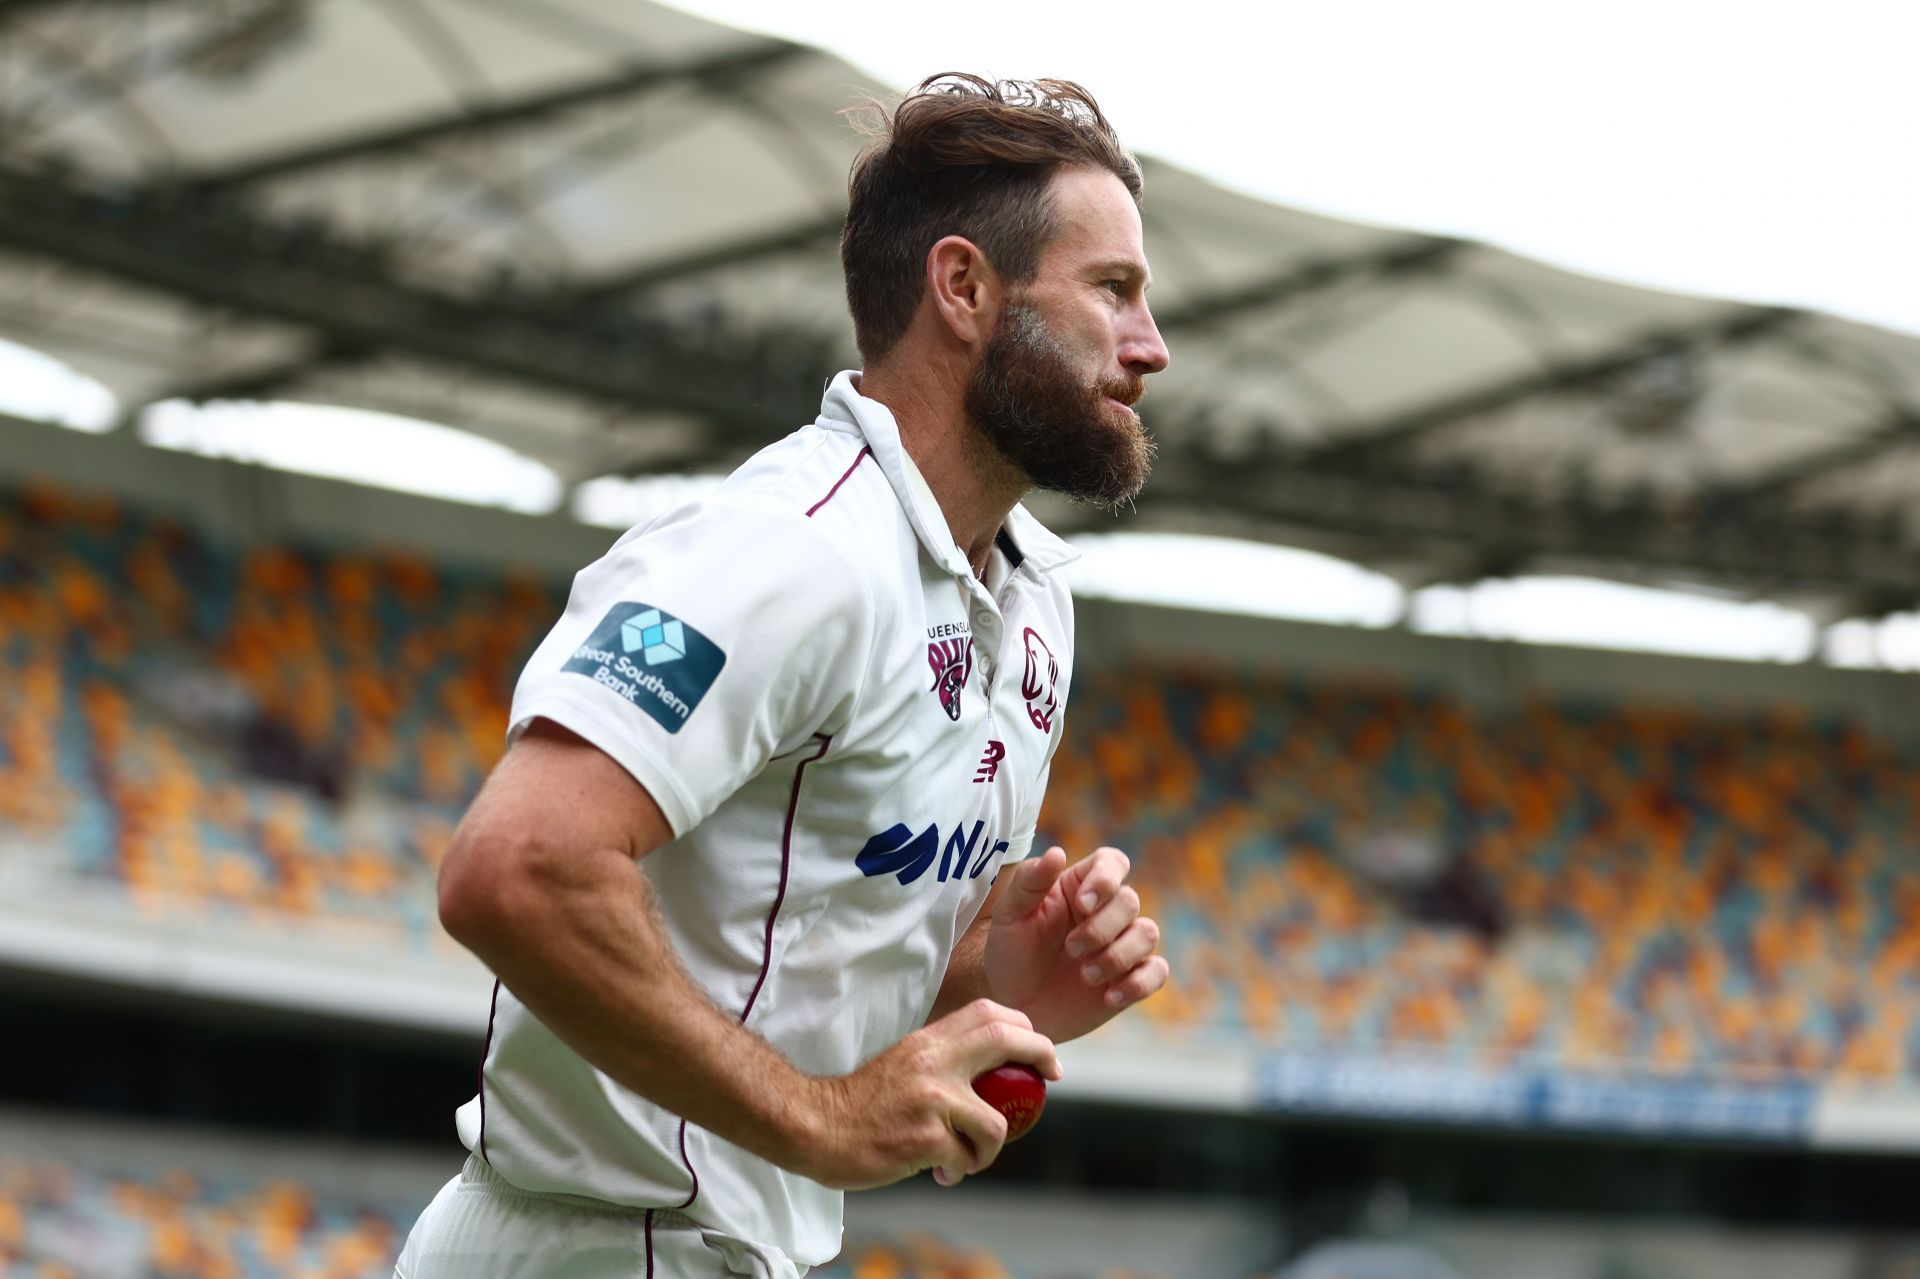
<point>1758,150</point>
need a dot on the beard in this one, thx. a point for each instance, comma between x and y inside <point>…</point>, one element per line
<point>1049,422</point>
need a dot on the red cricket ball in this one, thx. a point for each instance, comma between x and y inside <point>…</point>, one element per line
<point>1017,1091</point>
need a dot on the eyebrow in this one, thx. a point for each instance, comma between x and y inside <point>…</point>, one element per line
<point>1125,267</point>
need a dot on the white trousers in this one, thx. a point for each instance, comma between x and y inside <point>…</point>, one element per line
<point>480,1226</point>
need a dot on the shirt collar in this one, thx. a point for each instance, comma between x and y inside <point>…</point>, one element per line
<point>844,405</point>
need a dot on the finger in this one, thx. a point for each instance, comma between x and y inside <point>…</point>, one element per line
<point>1099,930</point>
<point>997,1043</point>
<point>983,1012</point>
<point>946,1176</point>
<point>1032,879</point>
<point>1094,879</point>
<point>1123,954</point>
<point>982,1129</point>
<point>1140,983</point>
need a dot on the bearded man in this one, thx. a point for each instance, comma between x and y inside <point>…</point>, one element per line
<point>758,895</point>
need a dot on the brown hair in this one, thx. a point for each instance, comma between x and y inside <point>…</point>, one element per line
<point>962,155</point>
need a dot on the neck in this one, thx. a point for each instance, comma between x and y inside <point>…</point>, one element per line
<point>974,485</point>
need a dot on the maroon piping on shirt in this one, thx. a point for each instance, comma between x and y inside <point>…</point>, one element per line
<point>865,452</point>
<point>493,1007</point>
<point>773,915</point>
<point>786,863</point>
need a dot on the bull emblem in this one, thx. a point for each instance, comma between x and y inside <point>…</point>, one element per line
<point>952,662</point>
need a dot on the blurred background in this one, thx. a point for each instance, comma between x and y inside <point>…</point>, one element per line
<point>1505,684</point>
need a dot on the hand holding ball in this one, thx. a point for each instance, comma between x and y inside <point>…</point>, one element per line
<point>1017,1091</point>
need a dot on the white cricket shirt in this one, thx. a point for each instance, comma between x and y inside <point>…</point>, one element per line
<point>849,735</point>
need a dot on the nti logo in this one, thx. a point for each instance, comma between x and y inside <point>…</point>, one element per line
<point>897,851</point>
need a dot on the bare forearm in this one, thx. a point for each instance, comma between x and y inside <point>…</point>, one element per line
<point>966,978</point>
<point>585,952</point>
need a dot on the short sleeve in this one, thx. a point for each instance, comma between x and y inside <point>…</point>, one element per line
<point>1020,847</point>
<point>702,646</point>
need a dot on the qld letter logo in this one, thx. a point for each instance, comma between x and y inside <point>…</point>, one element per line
<point>1038,682</point>
<point>952,662</point>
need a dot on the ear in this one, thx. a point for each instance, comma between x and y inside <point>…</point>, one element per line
<point>964,289</point>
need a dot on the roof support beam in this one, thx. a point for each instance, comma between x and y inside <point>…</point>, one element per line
<point>747,386</point>
<point>258,383</point>
<point>804,234</point>
<point>1370,441</point>
<point>1761,549</point>
<point>15,8</point>
<point>1412,254</point>
<point>1415,253</point>
<point>719,68</point>
<point>1901,426</point>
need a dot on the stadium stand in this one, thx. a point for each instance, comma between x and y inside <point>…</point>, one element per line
<point>65,1220</point>
<point>97,1199</point>
<point>292,733</point>
<point>100,1202</point>
<point>1593,885</point>
<point>62,1220</point>
<point>183,720</point>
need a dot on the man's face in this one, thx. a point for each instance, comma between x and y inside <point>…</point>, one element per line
<point>1054,388</point>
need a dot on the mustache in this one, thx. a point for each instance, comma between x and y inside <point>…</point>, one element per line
<point>1128,389</point>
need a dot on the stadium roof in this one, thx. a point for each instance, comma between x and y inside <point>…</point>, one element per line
<point>605,236</point>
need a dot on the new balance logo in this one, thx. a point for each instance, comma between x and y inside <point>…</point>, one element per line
<point>990,761</point>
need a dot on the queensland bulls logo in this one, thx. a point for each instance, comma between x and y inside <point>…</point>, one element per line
<point>1038,684</point>
<point>952,662</point>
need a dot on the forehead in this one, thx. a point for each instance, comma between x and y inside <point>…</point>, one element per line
<point>1097,221</point>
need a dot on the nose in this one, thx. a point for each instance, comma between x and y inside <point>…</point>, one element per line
<point>1142,349</point>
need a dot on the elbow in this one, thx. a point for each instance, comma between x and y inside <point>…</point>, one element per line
<point>503,882</point>
<point>479,881</point>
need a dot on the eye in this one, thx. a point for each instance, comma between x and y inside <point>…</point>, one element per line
<point>1116,287</point>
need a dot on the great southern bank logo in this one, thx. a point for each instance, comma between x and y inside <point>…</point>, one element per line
<point>676,664</point>
<point>660,639</point>
<point>897,851</point>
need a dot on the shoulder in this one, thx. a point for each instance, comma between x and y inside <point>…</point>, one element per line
<point>797,528</point>
<point>823,497</point>
<point>821,473</point>
<point>779,490</point>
